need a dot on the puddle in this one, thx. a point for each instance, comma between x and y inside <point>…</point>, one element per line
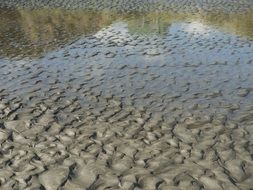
<point>134,55</point>
<point>33,32</point>
<point>125,101</point>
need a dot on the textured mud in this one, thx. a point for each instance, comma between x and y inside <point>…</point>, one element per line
<point>137,5</point>
<point>127,103</point>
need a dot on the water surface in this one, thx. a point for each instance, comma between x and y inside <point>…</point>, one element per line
<point>26,32</point>
<point>104,100</point>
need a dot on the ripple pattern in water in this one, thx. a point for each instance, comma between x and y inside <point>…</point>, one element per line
<point>134,101</point>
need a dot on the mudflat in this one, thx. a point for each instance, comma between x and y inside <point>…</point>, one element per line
<point>126,95</point>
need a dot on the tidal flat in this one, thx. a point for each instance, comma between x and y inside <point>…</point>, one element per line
<point>130,95</point>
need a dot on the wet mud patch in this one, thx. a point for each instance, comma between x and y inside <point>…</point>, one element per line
<point>102,100</point>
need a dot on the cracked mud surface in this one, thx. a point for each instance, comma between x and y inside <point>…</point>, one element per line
<point>101,100</point>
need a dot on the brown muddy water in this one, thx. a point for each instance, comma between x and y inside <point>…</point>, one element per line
<point>107,100</point>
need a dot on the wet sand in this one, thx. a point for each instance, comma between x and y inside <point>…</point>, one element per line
<point>102,100</point>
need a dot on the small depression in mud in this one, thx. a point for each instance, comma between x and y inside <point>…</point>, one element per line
<point>151,100</point>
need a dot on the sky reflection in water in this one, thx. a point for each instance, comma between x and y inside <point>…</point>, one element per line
<point>31,33</point>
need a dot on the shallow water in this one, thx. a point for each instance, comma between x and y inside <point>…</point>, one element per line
<point>139,100</point>
<point>26,32</point>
